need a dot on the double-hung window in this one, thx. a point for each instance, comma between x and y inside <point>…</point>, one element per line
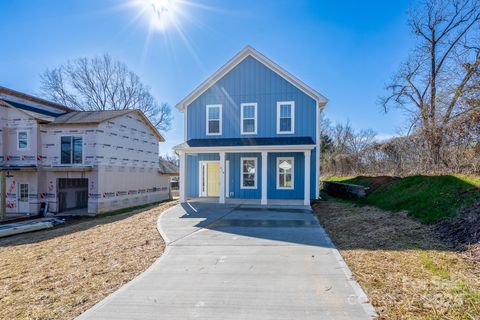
<point>249,118</point>
<point>249,173</point>
<point>214,119</point>
<point>23,192</point>
<point>71,150</point>
<point>285,117</point>
<point>22,140</point>
<point>285,173</point>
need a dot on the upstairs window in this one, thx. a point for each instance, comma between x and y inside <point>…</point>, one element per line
<point>248,118</point>
<point>22,140</point>
<point>214,119</point>
<point>249,173</point>
<point>285,117</point>
<point>285,173</point>
<point>71,150</point>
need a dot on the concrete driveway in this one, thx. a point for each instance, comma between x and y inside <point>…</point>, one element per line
<point>239,262</point>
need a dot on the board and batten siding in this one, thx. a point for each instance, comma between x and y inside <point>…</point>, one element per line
<point>251,81</point>
<point>193,174</point>
<point>234,176</point>
<point>299,176</point>
<point>235,190</point>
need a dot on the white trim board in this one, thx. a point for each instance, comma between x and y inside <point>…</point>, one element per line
<point>255,173</point>
<point>317,152</point>
<point>232,63</point>
<point>27,148</point>
<point>207,119</point>
<point>200,175</point>
<point>292,116</point>
<point>255,118</point>
<point>278,173</point>
<point>227,178</point>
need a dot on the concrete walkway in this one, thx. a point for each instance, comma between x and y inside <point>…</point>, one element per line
<point>238,262</point>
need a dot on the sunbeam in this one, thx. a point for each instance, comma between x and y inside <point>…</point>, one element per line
<point>160,13</point>
<point>168,21</point>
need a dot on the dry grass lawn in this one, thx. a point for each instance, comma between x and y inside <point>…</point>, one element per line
<point>407,272</point>
<point>59,273</point>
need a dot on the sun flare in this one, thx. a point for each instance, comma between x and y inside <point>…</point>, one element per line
<point>160,13</point>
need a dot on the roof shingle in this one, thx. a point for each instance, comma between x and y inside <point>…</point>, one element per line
<point>167,167</point>
<point>84,117</point>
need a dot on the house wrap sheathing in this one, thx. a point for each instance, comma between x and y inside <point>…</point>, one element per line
<point>116,168</point>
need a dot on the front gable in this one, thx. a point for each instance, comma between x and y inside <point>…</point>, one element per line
<point>251,78</point>
<point>251,81</point>
<point>238,58</point>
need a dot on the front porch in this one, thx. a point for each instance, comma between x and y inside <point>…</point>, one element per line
<point>253,202</point>
<point>258,175</point>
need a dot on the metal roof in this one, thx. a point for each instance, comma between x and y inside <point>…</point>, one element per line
<point>241,142</point>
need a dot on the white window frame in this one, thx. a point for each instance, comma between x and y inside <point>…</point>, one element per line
<point>256,172</point>
<point>251,104</point>
<point>208,119</point>
<point>18,141</point>
<point>279,159</point>
<point>292,106</point>
<point>20,191</point>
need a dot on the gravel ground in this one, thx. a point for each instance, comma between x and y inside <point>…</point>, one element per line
<point>407,271</point>
<point>59,273</point>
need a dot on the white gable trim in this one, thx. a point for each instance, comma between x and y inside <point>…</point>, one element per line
<point>239,57</point>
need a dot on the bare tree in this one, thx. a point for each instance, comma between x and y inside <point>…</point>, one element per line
<point>344,148</point>
<point>101,83</point>
<point>171,157</point>
<point>435,85</point>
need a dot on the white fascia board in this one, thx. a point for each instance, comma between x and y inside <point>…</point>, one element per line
<point>232,63</point>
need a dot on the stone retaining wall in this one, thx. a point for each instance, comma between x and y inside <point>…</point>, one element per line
<point>344,190</point>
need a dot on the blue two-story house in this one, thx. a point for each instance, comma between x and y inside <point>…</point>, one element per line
<point>252,135</point>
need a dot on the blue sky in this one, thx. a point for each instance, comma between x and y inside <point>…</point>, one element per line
<point>347,50</point>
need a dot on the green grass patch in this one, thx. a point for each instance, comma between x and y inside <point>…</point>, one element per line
<point>434,268</point>
<point>427,198</point>
<point>468,295</point>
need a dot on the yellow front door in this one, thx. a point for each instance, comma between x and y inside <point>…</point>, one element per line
<point>213,179</point>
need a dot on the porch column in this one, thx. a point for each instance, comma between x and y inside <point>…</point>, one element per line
<point>306,198</point>
<point>182,178</point>
<point>222,178</point>
<point>264,177</point>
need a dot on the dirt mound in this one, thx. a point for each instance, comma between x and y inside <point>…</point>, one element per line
<point>463,231</point>
<point>379,181</point>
